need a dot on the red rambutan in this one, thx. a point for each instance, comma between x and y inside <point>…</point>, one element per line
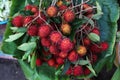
<point>55,37</point>
<point>104,46</point>
<point>73,56</point>
<point>51,62</point>
<point>18,21</point>
<point>38,62</point>
<point>69,16</point>
<point>32,30</point>
<point>78,71</point>
<point>45,42</point>
<point>66,45</point>
<point>27,19</point>
<point>44,31</point>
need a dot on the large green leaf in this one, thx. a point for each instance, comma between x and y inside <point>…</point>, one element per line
<point>116,75</point>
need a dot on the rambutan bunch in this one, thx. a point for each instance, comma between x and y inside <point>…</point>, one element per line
<point>61,34</point>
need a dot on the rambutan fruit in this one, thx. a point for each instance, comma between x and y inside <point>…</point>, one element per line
<point>51,62</point>
<point>69,16</point>
<point>32,30</point>
<point>73,56</point>
<point>51,11</point>
<point>87,71</point>
<point>69,71</point>
<point>81,50</point>
<point>86,41</point>
<point>66,45</point>
<point>77,70</point>
<point>95,48</point>
<point>27,20</point>
<point>18,21</point>
<point>38,62</point>
<point>96,31</point>
<point>53,49</point>
<point>44,31</point>
<point>66,29</point>
<point>104,46</point>
<point>55,37</point>
<point>45,42</point>
<point>63,54</point>
<point>60,60</point>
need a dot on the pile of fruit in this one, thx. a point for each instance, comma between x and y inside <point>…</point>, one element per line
<point>63,35</point>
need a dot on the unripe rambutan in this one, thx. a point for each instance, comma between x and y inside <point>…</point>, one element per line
<point>66,29</point>
<point>81,50</point>
<point>51,11</point>
<point>59,3</point>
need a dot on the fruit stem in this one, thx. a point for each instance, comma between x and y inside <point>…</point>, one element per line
<point>73,7</point>
<point>85,10</point>
<point>81,8</point>
<point>40,4</point>
<point>53,2</point>
<point>29,23</point>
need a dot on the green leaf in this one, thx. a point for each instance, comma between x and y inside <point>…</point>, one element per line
<point>116,75</point>
<point>90,21</point>
<point>66,67</point>
<point>99,13</point>
<point>14,29</point>
<point>26,13</point>
<point>14,37</point>
<point>84,62</point>
<point>27,46</point>
<point>23,29</point>
<point>91,69</point>
<point>25,56</point>
<point>56,20</point>
<point>46,72</point>
<point>20,30</point>
<point>33,61</point>
<point>75,25</point>
<point>94,37</point>
<point>26,69</point>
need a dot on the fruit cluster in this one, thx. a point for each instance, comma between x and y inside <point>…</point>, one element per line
<point>54,37</point>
